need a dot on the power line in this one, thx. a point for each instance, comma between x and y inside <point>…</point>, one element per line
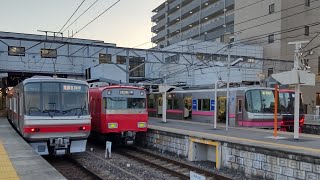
<point>80,15</point>
<point>72,15</point>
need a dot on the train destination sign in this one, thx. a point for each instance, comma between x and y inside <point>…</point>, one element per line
<point>125,92</point>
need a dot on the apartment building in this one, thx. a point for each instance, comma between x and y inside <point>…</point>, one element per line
<point>273,24</point>
<point>179,20</point>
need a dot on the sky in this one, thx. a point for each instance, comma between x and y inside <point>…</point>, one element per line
<point>127,24</point>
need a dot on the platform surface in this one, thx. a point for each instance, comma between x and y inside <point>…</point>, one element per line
<point>307,144</point>
<point>19,161</point>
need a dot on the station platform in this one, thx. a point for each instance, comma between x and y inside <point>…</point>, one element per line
<point>307,144</point>
<point>18,160</point>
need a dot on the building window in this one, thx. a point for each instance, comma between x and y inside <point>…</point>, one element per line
<point>271,38</point>
<point>172,59</point>
<point>121,59</point>
<point>137,66</point>
<point>48,53</point>
<point>270,71</point>
<point>104,58</point>
<point>16,51</point>
<point>306,30</point>
<point>307,3</point>
<point>271,8</point>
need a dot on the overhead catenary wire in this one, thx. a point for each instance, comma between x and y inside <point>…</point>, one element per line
<point>72,15</point>
<point>80,15</point>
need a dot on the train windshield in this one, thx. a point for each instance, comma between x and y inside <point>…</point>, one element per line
<point>260,101</point>
<point>56,99</point>
<point>124,103</point>
<point>287,102</point>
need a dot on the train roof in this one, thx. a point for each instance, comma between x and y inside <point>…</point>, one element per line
<point>102,88</point>
<point>52,79</point>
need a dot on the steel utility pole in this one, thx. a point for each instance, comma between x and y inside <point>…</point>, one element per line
<point>297,76</point>
<point>228,84</point>
<point>297,55</point>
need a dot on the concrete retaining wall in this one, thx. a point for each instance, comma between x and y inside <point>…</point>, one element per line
<point>165,142</point>
<point>255,162</point>
<point>312,128</point>
<point>269,164</point>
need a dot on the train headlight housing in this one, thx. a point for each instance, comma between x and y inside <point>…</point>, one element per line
<point>112,125</point>
<point>109,92</point>
<point>142,125</point>
<point>141,93</point>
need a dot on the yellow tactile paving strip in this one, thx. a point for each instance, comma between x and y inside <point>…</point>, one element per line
<point>7,171</point>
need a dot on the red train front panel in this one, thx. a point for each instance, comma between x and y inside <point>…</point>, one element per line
<point>122,109</point>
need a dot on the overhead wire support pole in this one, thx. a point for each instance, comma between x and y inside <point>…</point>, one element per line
<point>228,85</point>
<point>297,67</point>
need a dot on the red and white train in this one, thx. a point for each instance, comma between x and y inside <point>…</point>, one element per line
<point>118,111</point>
<point>51,114</point>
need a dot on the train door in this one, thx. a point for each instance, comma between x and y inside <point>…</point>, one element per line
<point>187,104</point>
<point>159,106</point>
<point>222,108</point>
<point>239,110</point>
<point>20,110</point>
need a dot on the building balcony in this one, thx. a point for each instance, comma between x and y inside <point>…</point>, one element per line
<point>215,23</point>
<point>174,5</point>
<point>159,36</point>
<point>174,27</point>
<point>159,24</point>
<point>213,8</point>
<point>159,14</point>
<point>190,6</point>
<point>191,19</point>
<point>174,16</point>
<point>174,39</point>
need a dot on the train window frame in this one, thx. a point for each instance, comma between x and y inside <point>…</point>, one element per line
<point>201,103</point>
<point>240,106</point>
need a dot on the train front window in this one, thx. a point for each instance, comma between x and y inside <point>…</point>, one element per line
<point>125,103</point>
<point>32,99</point>
<point>55,99</point>
<point>260,101</point>
<point>50,98</point>
<point>287,102</point>
<point>74,99</point>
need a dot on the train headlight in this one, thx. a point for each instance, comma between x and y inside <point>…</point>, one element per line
<point>141,93</point>
<point>112,125</point>
<point>109,92</point>
<point>142,125</point>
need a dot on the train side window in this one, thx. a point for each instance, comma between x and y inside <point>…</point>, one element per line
<point>206,105</point>
<point>14,105</point>
<point>239,105</point>
<point>21,105</point>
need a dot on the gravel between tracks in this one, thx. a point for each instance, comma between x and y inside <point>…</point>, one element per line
<point>141,170</point>
<point>207,165</point>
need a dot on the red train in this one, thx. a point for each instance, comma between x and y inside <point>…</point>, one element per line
<point>118,111</point>
<point>286,99</point>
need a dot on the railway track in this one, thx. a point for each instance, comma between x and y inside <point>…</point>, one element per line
<point>73,169</point>
<point>176,168</point>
